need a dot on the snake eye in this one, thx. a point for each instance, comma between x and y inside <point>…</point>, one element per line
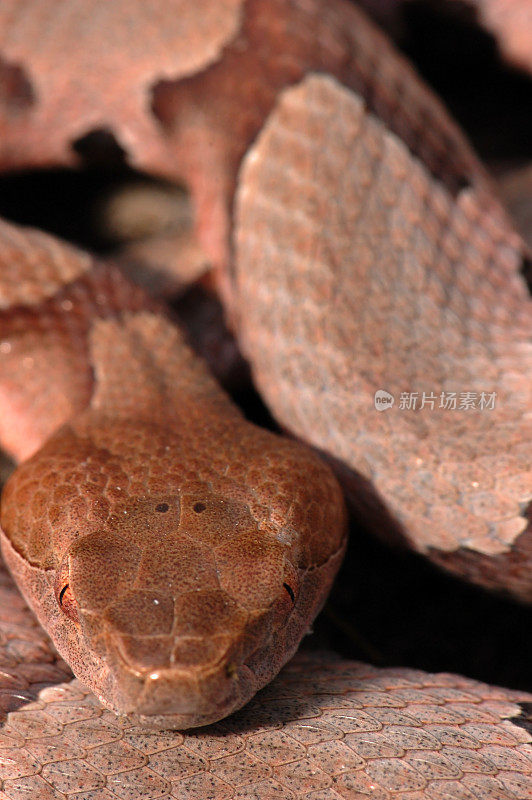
<point>65,596</point>
<point>290,592</point>
<point>67,604</point>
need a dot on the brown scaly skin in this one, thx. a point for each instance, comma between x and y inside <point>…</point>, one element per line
<point>202,120</point>
<point>326,727</point>
<point>175,553</point>
<point>440,476</point>
<point>404,288</point>
<point>206,122</point>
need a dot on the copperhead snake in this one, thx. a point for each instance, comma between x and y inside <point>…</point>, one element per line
<point>176,553</point>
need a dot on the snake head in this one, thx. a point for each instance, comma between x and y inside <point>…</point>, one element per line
<point>176,598</point>
<point>175,608</point>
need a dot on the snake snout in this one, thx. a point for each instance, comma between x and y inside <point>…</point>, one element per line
<point>179,661</point>
<point>182,697</point>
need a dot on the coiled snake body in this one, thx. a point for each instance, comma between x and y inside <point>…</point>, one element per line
<point>175,552</point>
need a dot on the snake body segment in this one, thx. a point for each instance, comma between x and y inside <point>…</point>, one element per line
<point>447,311</point>
<point>399,289</point>
<point>327,727</point>
<point>176,553</point>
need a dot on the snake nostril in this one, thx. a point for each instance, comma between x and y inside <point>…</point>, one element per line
<point>62,593</point>
<point>162,507</point>
<point>199,507</point>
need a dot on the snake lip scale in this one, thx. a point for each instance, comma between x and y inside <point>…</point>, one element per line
<point>175,552</point>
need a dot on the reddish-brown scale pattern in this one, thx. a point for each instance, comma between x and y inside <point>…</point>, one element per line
<point>486,570</point>
<point>398,287</point>
<point>212,118</point>
<point>47,102</point>
<point>197,127</point>
<point>176,553</point>
<point>154,460</point>
<point>46,374</point>
<point>325,729</point>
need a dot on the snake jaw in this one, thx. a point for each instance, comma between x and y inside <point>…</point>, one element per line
<point>179,698</point>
